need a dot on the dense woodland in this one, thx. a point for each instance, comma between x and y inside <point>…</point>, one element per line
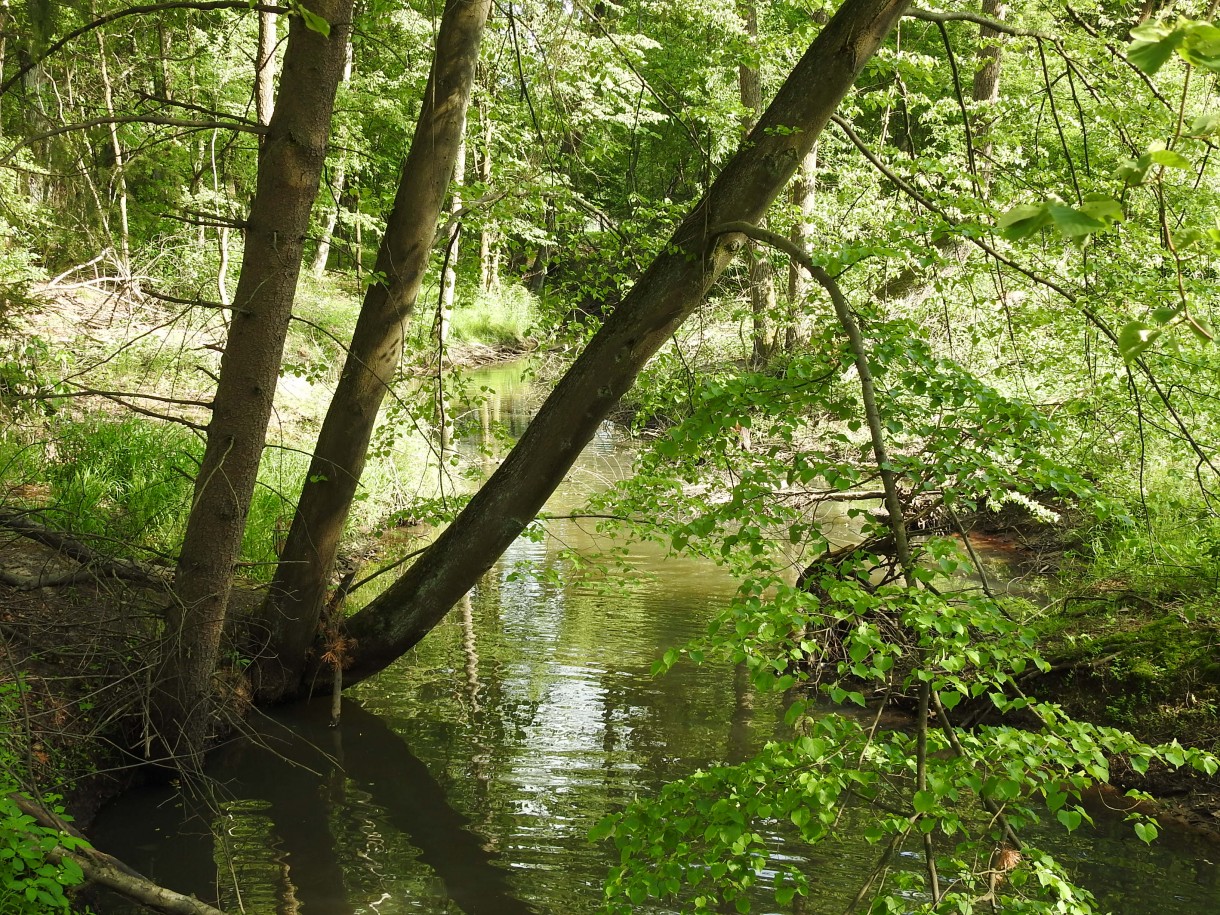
<point>951,262</point>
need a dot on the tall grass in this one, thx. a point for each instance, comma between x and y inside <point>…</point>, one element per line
<point>126,485</point>
<point>503,318</point>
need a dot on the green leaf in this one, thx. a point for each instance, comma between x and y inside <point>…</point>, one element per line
<point>1072,222</point>
<point>1103,208</point>
<point>924,802</point>
<point>1023,220</point>
<point>313,21</point>
<point>1070,818</point>
<point>1147,831</point>
<point>1205,125</point>
<point>1153,46</point>
<point>1135,337</point>
<point>1169,158</point>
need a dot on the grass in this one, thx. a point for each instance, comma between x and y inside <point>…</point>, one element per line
<point>503,318</point>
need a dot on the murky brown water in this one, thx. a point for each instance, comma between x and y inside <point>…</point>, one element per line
<point>466,777</point>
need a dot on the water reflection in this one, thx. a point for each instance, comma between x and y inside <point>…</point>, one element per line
<point>466,777</point>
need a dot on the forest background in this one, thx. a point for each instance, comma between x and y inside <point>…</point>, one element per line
<point>983,291</point>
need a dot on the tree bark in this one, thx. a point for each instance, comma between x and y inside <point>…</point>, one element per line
<point>4,17</point>
<point>668,292</point>
<point>290,168</point>
<point>986,88</point>
<point>444,315</point>
<point>119,180</point>
<point>297,593</point>
<point>804,198</point>
<point>264,68</point>
<point>489,276</point>
<point>762,272</point>
<point>322,254</point>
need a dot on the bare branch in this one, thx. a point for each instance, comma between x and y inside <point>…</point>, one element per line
<point>940,17</point>
<point>56,46</point>
<point>239,125</point>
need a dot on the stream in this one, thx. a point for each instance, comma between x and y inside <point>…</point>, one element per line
<point>466,777</point>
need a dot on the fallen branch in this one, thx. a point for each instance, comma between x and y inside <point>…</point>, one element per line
<point>74,549</point>
<point>108,871</point>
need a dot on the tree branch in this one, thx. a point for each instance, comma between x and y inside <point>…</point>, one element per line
<point>240,126</point>
<point>940,17</point>
<point>56,46</point>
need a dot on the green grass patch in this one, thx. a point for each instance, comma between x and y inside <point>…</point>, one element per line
<point>503,318</point>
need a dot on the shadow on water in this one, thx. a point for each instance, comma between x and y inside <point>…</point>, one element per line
<point>314,787</point>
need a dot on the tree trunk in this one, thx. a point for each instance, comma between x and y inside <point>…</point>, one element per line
<point>3,47</point>
<point>987,88</point>
<point>119,182</point>
<point>489,273</point>
<point>444,313</point>
<point>804,198</point>
<point>264,68</point>
<point>165,82</point>
<point>668,292</point>
<point>762,272</point>
<point>290,168</point>
<point>322,254</point>
<point>297,592</point>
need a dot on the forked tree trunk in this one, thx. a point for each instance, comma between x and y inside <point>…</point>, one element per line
<point>669,291</point>
<point>295,601</point>
<point>290,168</point>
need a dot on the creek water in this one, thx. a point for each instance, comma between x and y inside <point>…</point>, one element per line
<point>466,777</point>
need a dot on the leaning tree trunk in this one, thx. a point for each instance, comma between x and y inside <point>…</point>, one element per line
<point>289,171</point>
<point>668,292</point>
<point>295,601</point>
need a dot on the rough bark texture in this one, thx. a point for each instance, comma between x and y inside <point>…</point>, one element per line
<point>290,168</point>
<point>309,554</point>
<point>668,292</point>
